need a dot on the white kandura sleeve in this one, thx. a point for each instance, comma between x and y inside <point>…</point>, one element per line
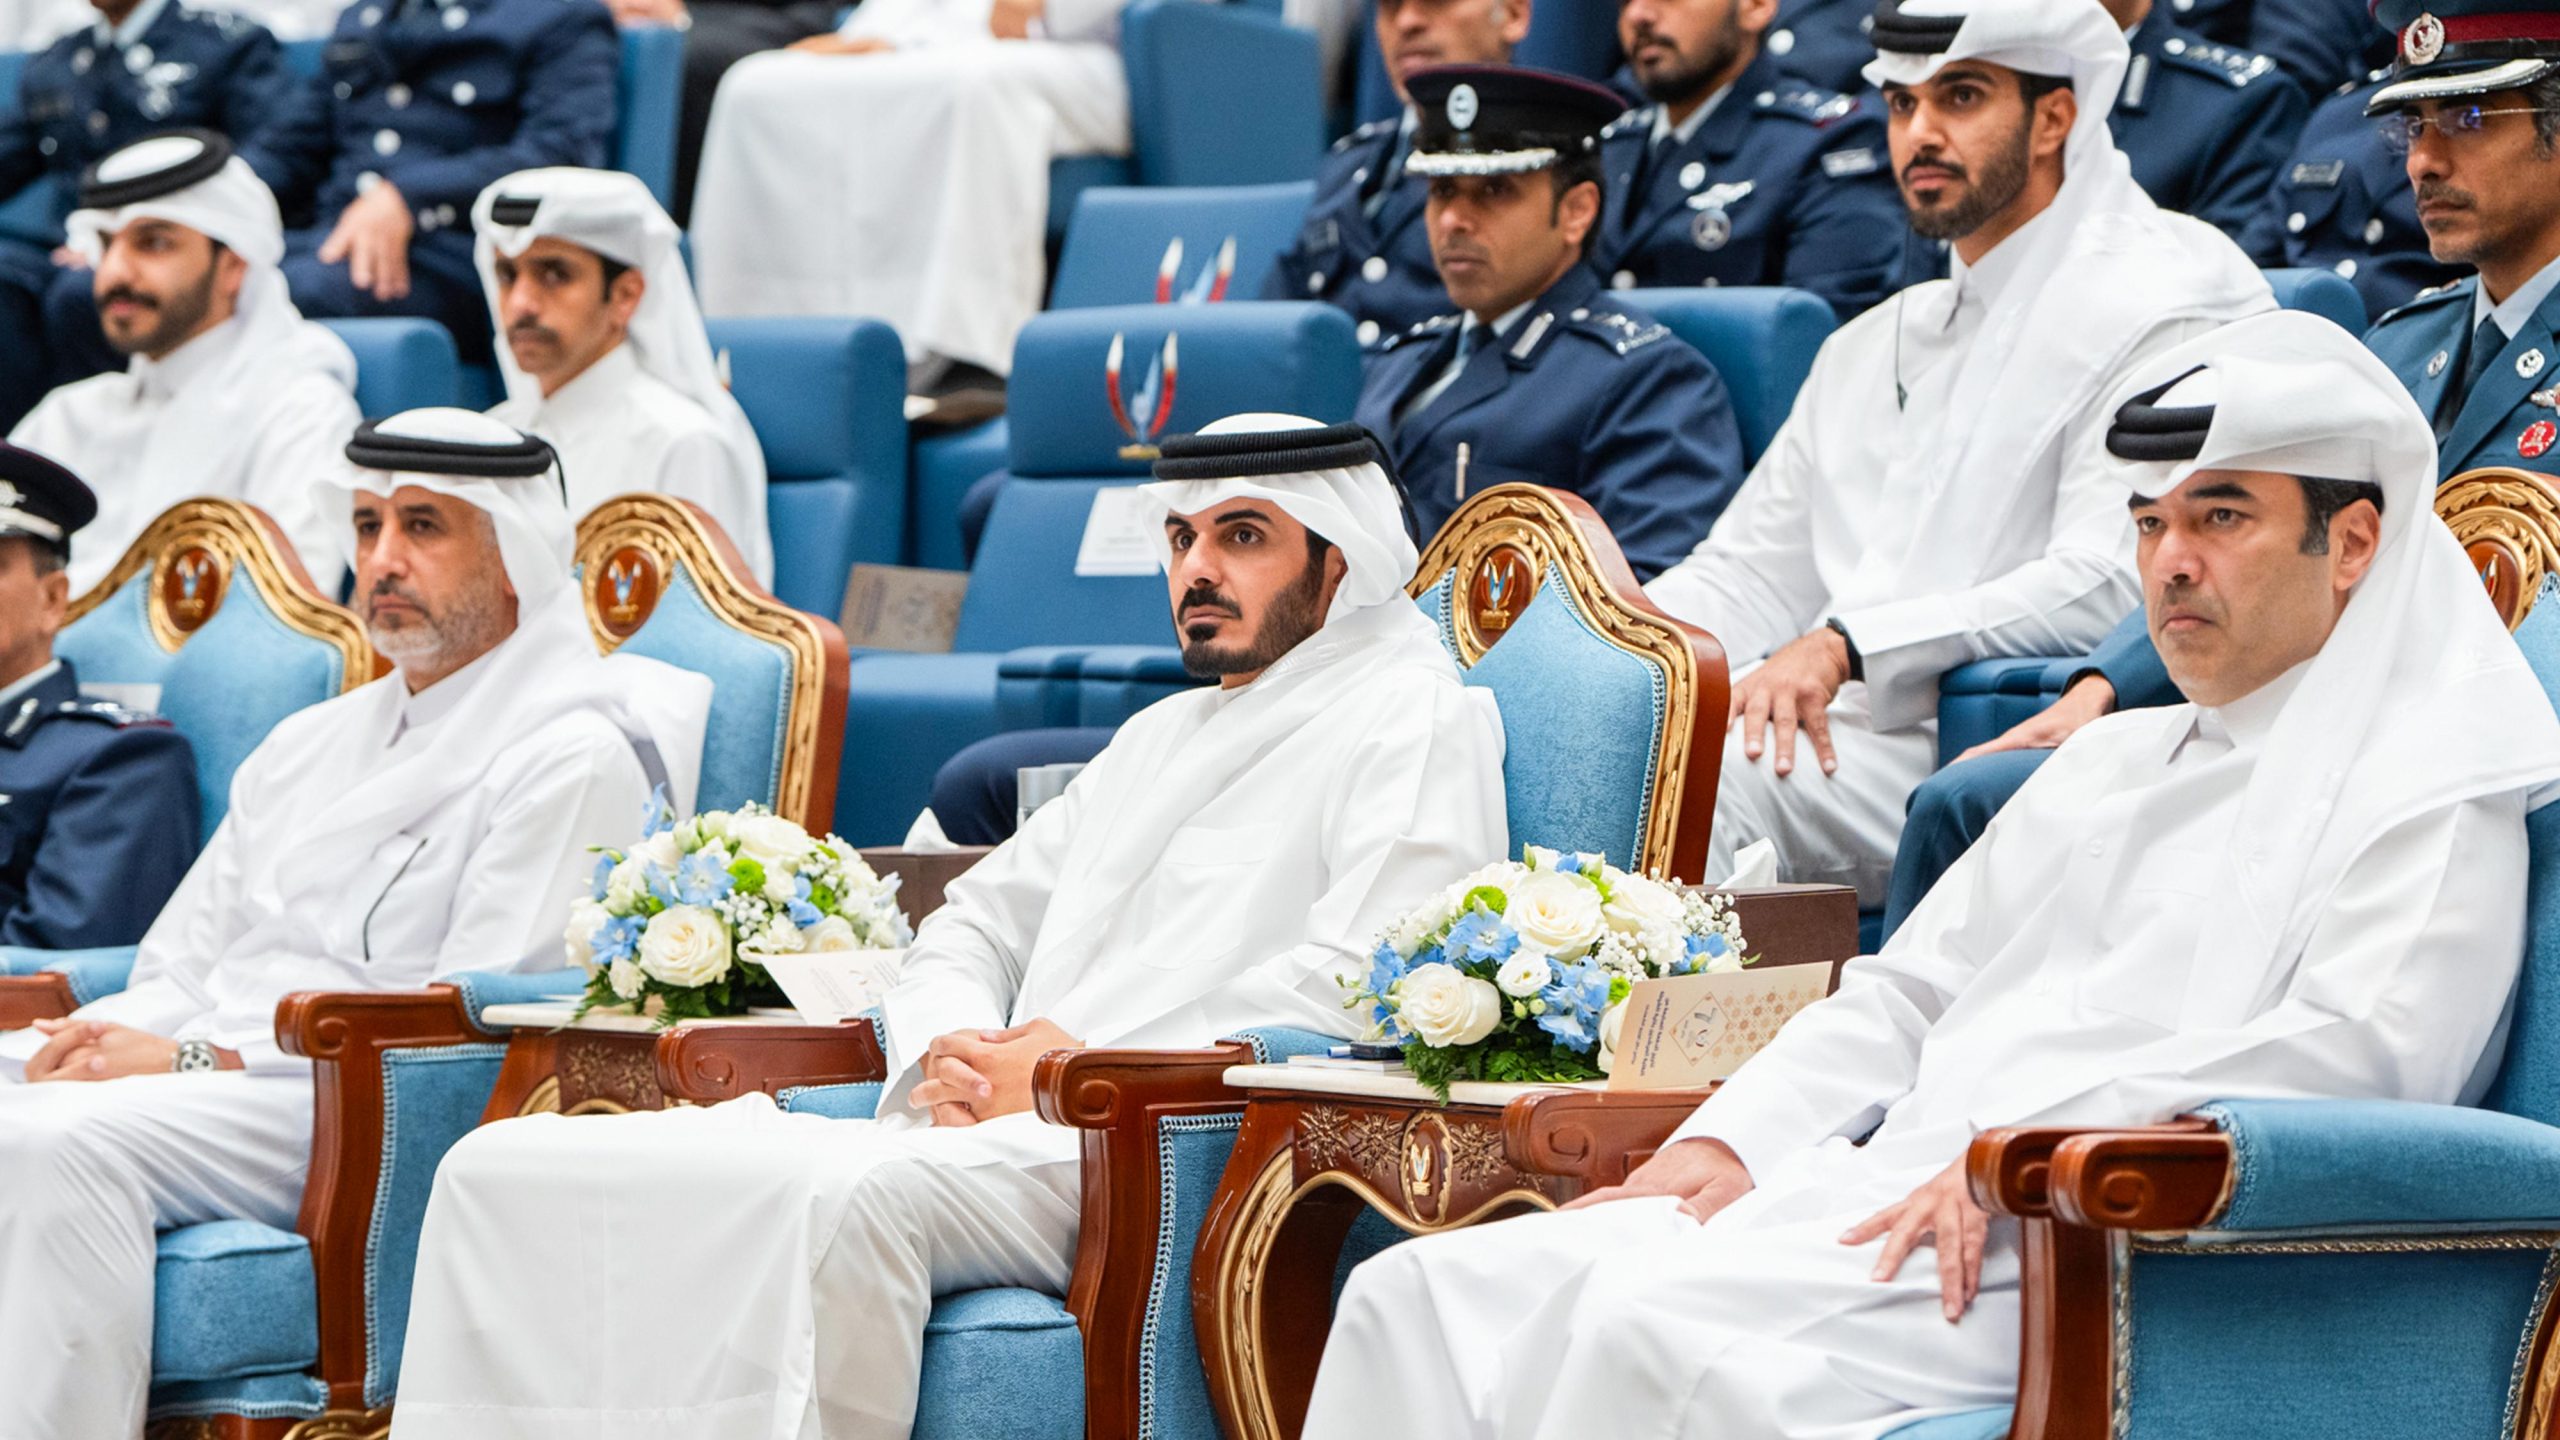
<point>1752,582</point>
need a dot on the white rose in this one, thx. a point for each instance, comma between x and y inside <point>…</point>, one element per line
<point>1555,914</point>
<point>1442,1007</point>
<point>586,917</point>
<point>626,884</point>
<point>781,886</point>
<point>1611,1022</point>
<point>770,841</point>
<point>711,824</point>
<point>1408,934</point>
<point>625,978</point>
<point>1524,974</point>
<point>685,945</point>
<point>779,935</point>
<point>1638,906</point>
<point>832,933</point>
<point>662,851</point>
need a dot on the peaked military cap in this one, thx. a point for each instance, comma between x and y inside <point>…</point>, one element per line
<point>2453,49</point>
<point>41,500</point>
<point>1503,120</point>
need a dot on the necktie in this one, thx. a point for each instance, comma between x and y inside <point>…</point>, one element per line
<point>2486,342</point>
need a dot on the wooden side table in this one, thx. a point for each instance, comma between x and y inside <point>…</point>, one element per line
<point>599,1065</point>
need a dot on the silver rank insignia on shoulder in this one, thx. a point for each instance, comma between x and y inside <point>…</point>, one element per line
<point>1535,331</point>
<point>1841,164</point>
<point>2529,364</point>
<point>2437,362</point>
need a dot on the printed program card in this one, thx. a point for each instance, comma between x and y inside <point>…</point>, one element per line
<point>828,987</point>
<point>1688,1031</point>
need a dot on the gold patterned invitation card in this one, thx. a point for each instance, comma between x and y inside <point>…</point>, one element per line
<point>1687,1031</point>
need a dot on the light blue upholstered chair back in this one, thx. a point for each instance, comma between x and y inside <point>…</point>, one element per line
<point>645,99</point>
<point>402,363</point>
<point>1761,339</point>
<point>209,620</point>
<point>2322,293</point>
<point>661,580</point>
<point>1612,711</point>
<point>1120,238</point>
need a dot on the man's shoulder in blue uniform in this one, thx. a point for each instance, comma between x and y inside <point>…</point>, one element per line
<point>1823,42</point>
<point>1363,245</point>
<point>98,818</point>
<point>2207,126</point>
<point>1783,183</point>
<point>2511,415</point>
<point>2342,203</point>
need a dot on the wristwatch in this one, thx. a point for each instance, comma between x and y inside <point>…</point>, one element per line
<point>194,1055</point>
<point>1857,662</point>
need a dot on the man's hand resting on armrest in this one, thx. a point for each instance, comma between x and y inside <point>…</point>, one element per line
<point>1705,1174</point>
<point>974,1075</point>
<point>95,1050</point>
<point>2088,697</point>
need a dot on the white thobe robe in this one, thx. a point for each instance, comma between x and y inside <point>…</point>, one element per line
<point>571,1269</point>
<point>88,1171</point>
<point>2040,984</point>
<point>620,429</point>
<point>1814,524</point>
<point>264,443</point>
<point>912,186</point>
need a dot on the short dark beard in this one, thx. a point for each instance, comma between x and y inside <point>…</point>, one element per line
<point>2002,179</point>
<point>1691,81</point>
<point>1294,615</point>
<point>179,315</point>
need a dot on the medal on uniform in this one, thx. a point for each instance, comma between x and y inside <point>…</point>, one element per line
<point>2437,362</point>
<point>2536,440</point>
<point>2529,364</point>
<point>1693,175</point>
<point>1709,229</point>
<point>2547,399</point>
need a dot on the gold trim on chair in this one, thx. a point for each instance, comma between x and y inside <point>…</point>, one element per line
<point>2508,522</point>
<point>197,550</point>
<point>1501,545</point>
<point>628,550</point>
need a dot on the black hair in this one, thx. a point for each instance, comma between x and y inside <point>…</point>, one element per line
<point>1574,168</point>
<point>613,270</point>
<point>2321,502</point>
<point>46,556</point>
<point>2033,87</point>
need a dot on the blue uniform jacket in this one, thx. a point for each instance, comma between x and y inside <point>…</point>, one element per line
<point>2512,417</point>
<point>2206,126</point>
<point>442,99</point>
<point>97,818</point>
<point>2342,202</point>
<point>1378,268</point>
<point>1583,395</point>
<point>2322,44</point>
<point>1823,42</point>
<point>79,100</point>
<point>1784,183</point>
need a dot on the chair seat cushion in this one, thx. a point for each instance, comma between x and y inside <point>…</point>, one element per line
<point>233,1298</point>
<point>1990,1424</point>
<point>1001,1362</point>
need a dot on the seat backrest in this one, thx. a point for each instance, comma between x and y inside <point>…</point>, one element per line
<point>210,620</point>
<point>1572,37</point>
<point>1612,711</point>
<point>1122,244</point>
<point>1761,339</point>
<point>401,363</point>
<point>1220,94</point>
<point>661,580</point>
<point>2509,523</point>
<point>827,398</point>
<point>645,98</point>
<point>2320,292</point>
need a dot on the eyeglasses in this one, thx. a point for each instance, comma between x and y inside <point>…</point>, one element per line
<point>2402,129</point>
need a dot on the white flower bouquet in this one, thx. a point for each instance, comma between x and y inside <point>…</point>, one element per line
<point>1519,973</point>
<point>674,925</point>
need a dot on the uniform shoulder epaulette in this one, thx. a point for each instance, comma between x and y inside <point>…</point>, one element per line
<point>2429,298</point>
<point>1809,103</point>
<point>2229,63</point>
<point>105,712</point>
<point>1365,132</point>
<point>1422,330</point>
<point>1615,328</point>
<point>1641,116</point>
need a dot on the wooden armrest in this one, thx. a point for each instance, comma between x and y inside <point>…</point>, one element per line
<point>1593,1136</point>
<point>710,1063</point>
<point>1103,1089</point>
<point>25,999</point>
<point>2149,1176</point>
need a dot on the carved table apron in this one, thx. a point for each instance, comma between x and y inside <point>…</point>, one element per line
<point>601,1065</point>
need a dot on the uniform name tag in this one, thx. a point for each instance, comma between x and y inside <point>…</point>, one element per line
<point>1840,164</point>
<point>2319,174</point>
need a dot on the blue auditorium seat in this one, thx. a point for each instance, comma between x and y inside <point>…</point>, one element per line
<point>1761,339</point>
<point>2322,293</point>
<point>1114,248</point>
<point>827,397</point>
<point>402,363</point>
<point>644,106</point>
<point>1572,37</point>
<point>909,713</point>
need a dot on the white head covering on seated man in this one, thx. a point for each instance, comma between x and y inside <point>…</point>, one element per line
<point>207,435</point>
<point>612,214</point>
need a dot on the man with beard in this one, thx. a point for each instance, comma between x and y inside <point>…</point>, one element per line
<point>230,391</point>
<point>605,355</point>
<point>1738,174</point>
<point>1231,856</point>
<point>1363,246</point>
<point>435,820</point>
<point>1939,495</point>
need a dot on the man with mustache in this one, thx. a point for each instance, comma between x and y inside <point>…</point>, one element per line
<point>1230,857</point>
<point>1737,174</point>
<point>2474,103</point>
<point>229,392</point>
<point>433,821</point>
<point>605,355</point>
<point>1363,245</point>
<point>1938,494</point>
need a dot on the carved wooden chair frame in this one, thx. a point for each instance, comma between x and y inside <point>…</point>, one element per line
<point>628,548</point>
<point>1511,542</point>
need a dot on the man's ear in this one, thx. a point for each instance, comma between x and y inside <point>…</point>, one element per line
<point>1578,211</point>
<point>230,272</point>
<point>2355,537</point>
<point>1515,21</point>
<point>628,288</point>
<point>2056,112</point>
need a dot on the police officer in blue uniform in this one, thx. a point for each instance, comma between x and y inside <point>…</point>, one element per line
<point>2322,44</point>
<point>2483,366</point>
<point>142,67</point>
<point>2207,126</point>
<point>2342,202</point>
<point>1738,174</point>
<point>1540,377</point>
<point>97,803</point>
<point>1361,246</point>
<point>418,107</point>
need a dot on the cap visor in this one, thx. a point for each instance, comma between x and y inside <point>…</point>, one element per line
<point>1497,162</point>
<point>2460,84</point>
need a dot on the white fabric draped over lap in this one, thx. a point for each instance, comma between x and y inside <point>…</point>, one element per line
<point>910,186</point>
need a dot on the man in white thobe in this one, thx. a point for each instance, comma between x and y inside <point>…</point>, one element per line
<point>2308,883</point>
<point>1937,494</point>
<point>435,820</point>
<point>1234,853</point>
<point>899,169</point>
<point>604,353</point>
<point>230,392</point>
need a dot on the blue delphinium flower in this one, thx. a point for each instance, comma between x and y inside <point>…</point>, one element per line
<point>604,872</point>
<point>1575,1003</point>
<point>616,939</point>
<point>1480,938</point>
<point>702,880</point>
<point>662,886</point>
<point>1565,1028</point>
<point>1386,967</point>
<point>655,814</point>
<point>801,911</point>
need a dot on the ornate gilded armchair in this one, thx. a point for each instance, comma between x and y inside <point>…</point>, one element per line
<point>210,620</point>
<point>1612,710</point>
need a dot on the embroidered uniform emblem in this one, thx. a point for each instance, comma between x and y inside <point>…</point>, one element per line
<point>2536,440</point>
